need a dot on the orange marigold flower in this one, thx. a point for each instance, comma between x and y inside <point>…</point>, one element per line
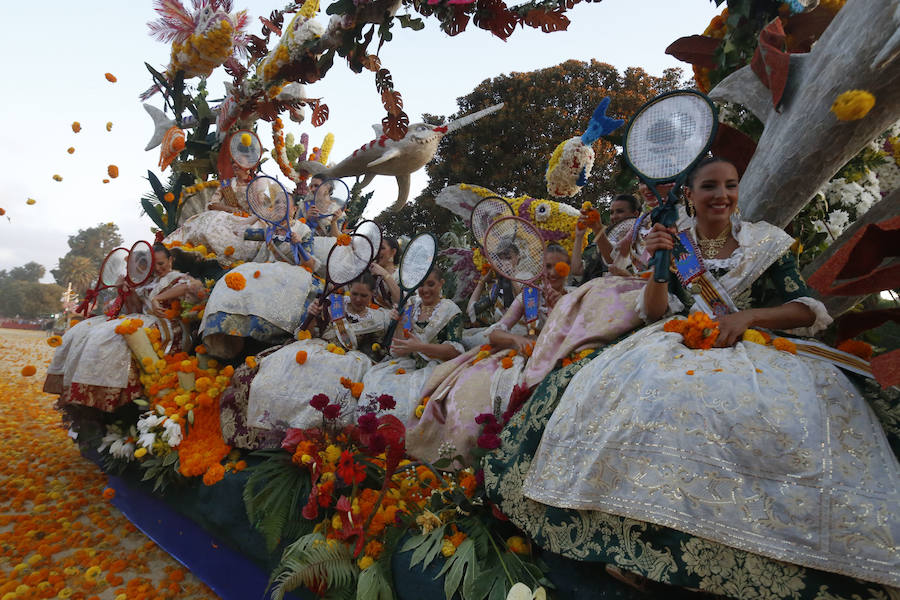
<point>201,349</point>
<point>518,545</point>
<point>112,171</point>
<point>235,281</point>
<point>300,357</point>
<point>250,361</point>
<point>54,341</point>
<point>109,493</point>
<point>689,372</point>
<point>28,371</point>
<point>857,348</point>
<point>240,465</point>
<point>71,150</point>
<point>214,474</point>
<point>229,250</point>
<point>343,240</point>
<point>356,389</point>
<point>401,371</point>
<point>256,274</point>
<point>562,269</point>
<point>76,126</point>
<point>784,345</point>
<point>110,77</point>
<point>507,362</point>
<point>169,197</point>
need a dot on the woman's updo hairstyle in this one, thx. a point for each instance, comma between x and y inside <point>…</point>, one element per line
<point>436,271</point>
<point>554,248</point>
<point>367,279</point>
<point>159,247</point>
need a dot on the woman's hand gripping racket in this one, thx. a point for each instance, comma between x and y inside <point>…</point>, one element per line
<point>270,202</point>
<point>344,264</point>
<point>663,142</point>
<point>415,265</point>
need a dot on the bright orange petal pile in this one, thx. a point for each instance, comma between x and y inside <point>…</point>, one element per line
<point>60,537</point>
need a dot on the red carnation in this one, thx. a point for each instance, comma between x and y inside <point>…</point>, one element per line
<point>332,411</point>
<point>319,402</point>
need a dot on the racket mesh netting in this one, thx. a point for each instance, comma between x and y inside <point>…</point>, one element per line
<point>140,262</point>
<point>616,232</point>
<point>267,199</point>
<point>346,263</point>
<point>417,260</point>
<point>246,157</point>
<point>114,267</point>
<point>372,232</point>
<point>668,135</point>
<point>339,195</point>
<point>515,249</point>
<point>485,213</point>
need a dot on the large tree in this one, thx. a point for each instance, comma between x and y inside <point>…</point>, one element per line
<point>508,151</point>
<point>87,249</point>
<point>21,295</point>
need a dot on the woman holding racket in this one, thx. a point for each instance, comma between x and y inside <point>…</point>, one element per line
<point>482,379</point>
<point>739,457</point>
<point>94,367</point>
<point>266,401</point>
<point>429,333</point>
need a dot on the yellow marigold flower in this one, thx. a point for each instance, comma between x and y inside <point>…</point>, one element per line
<point>332,453</point>
<point>420,410</point>
<point>140,453</point>
<point>71,150</point>
<point>751,335</point>
<point>246,140</point>
<point>447,548</point>
<point>92,572</point>
<point>365,562</point>
<point>853,105</point>
<point>57,178</point>
<point>109,125</point>
<point>76,126</point>
<point>517,544</point>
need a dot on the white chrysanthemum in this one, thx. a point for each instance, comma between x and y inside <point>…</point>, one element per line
<point>148,421</point>
<point>172,433</point>
<point>122,449</point>
<point>146,440</point>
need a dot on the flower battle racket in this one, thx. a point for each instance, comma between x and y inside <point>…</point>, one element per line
<point>515,249</point>
<point>331,196</point>
<point>138,270</point>
<point>270,202</point>
<point>372,232</point>
<point>112,274</point>
<point>245,148</point>
<point>415,265</point>
<point>664,140</point>
<point>488,210</point>
<point>344,264</point>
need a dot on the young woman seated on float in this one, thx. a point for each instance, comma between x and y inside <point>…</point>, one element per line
<point>435,336</point>
<point>276,394</point>
<point>386,272</point>
<point>482,379</point>
<point>490,300</point>
<point>743,445</point>
<point>320,208</point>
<point>93,366</point>
<point>265,300</point>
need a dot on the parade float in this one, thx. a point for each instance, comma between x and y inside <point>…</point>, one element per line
<point>338,508</point>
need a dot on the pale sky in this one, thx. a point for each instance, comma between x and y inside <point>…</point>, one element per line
<point>57,52</point>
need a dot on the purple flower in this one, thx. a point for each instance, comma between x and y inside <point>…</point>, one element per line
<point>368,422</point>
<point>488,441</point>
<point>332,411</point>
<point>386,402</point>
<point>319,402</point>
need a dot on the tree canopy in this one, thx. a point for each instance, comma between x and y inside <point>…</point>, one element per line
<point>87,249</point>
<point>508,152</point>
<point>22,295</point>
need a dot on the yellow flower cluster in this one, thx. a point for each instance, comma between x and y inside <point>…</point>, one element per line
<point>420,409</point>
<point>327,145</point>
<point>198,55</point>
<point>853,105</point>
<point>335,349</point>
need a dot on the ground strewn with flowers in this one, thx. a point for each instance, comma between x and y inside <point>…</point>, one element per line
<point>59,536</point>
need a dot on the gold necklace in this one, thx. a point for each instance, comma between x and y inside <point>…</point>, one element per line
<point>710,248</point>
<point>425,311</point>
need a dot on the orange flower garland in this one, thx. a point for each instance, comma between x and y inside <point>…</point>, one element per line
<point>784,345</point>
<point>856,348</point>
<point>235,281</point>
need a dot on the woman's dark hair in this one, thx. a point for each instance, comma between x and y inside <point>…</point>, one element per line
<point>689,182</point>
<point>321,177</point>
<point>159,247</point>
<point>392,242</point>
<point>367,279</point>
<point>555,248</point>
<point>633,204</point>
<point>436,271</point>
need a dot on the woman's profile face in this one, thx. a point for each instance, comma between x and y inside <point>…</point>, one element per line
<point>386,253</point>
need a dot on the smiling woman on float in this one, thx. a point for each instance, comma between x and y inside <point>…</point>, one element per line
<point>739,445</point>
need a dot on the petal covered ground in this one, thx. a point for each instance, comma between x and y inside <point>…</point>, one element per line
<point>59,536</point>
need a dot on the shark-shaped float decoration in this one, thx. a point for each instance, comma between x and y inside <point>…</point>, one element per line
<point>383,156</point>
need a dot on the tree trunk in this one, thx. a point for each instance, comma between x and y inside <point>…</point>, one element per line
<point>804,145</point>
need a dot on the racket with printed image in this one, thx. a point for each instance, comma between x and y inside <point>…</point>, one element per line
<point>415,265</point>
<point>269,201</point>
<point>245,148</point>
<point>488,210</point>
<point>344,265</point>
<point>330,197</point>
<point>664,140</point>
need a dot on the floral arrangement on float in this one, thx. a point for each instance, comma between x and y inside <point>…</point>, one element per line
<point>342,501</point>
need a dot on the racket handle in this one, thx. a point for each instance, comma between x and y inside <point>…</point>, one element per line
<point>661,259</point>
<point>386,342</point>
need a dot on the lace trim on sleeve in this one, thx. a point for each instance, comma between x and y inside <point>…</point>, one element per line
<point>823,319</point>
